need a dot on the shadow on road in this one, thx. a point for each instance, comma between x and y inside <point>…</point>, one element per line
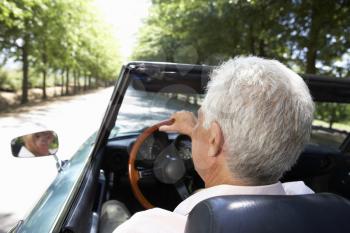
<point>7,110</point>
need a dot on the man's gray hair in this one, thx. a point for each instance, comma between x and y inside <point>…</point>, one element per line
<point>265,112</point>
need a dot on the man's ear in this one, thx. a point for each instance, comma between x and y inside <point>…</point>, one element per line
<point>216,139</point>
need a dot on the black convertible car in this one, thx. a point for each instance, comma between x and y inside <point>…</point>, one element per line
<point>120,161</point>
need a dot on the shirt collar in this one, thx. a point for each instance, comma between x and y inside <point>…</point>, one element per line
<point>221,190</point>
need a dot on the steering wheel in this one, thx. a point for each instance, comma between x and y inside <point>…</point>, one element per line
<point>168,167</point>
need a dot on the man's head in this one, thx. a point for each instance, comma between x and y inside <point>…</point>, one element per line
<point>257,116</point>
<point>39,143</point>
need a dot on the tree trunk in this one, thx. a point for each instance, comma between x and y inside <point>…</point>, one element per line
<point>262,52</point>
<point>251,40</point>
<point>311,60</point>
<point>333,117</point>
<point>44,71</point>
<point>85,81</point>
<point>44,84</point>
<point>78,80</point>
<point>67,81</point>
<point>311,54</point>
<point>54,83</point>
<point>25,70</point>
<point>62,82</point>
<point>89,83</point>
<point>74,82</point>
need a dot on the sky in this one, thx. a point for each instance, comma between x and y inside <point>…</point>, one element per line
<point>126,17</point>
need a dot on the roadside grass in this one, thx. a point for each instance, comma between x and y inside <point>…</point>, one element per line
<point>12,100</point>
<point>10,80</point>
<point>340,126</point>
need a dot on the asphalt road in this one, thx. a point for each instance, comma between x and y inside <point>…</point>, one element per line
<point>23,180</point>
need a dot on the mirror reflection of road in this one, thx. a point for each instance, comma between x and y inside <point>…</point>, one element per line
<point>23,181</point>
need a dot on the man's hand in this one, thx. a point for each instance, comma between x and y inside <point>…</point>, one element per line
<point>183,123</point>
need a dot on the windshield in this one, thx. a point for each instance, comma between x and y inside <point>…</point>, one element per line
<point>141,109</point>
<point>152,101</point>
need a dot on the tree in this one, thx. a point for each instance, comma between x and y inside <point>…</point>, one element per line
<point>320,31</point>
<point>332,112</point>
<point>64,36</point>
<point>210,29</point>
<point>301,33</point>
<point>17,22</point>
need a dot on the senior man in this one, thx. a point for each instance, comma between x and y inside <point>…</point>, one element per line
<point>252,126</point>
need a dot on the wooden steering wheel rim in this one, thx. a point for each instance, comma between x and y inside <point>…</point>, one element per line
<point>133,173</point>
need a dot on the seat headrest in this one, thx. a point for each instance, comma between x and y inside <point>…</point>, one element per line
<point>319,213</point>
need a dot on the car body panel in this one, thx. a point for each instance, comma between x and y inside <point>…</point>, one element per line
<point>50,208</point>
<point>50,212</point>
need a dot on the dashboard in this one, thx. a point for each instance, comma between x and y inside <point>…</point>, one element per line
<point>160,141</point>
<point>183,145</point>
<point>315,162</point>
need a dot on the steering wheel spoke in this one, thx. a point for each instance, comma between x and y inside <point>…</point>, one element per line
<point>182,189</point>
<point>146,173</point>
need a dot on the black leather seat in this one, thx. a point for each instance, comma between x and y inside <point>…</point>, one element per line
<point>313,213</point>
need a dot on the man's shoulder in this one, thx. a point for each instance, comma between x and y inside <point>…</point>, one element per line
<point>154,220</point>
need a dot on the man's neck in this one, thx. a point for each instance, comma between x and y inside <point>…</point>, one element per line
<point>219,175</point>
<point>225,181</point>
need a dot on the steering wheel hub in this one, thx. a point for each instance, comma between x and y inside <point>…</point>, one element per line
<point>169,168</point>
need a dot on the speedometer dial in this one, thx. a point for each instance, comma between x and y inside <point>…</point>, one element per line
<point>184,147</point>
<point>145,152</point>
<point>152,146</point>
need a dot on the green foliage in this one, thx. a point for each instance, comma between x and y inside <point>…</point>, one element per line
<point>63,36</point>
<point>332,112</point>
<point>212,30</point>
<point>319,31</point>
<point>9,81</point>
<point>300,33</point>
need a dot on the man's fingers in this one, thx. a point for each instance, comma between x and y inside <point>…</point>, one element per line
<point>179,120</point>
<point>163,128</point>
<point>166,128</point>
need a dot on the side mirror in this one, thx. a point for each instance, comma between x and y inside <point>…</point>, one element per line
<point>43,143</point>
<point>37,144</point>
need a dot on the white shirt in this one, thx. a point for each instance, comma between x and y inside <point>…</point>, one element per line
<point>25,153</point>
<point>158,220</point>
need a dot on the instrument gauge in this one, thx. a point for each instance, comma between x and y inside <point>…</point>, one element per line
<point>152,146</point>
<point>184,147</point>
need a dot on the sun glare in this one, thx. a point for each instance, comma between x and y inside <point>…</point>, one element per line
<point>126,17</point>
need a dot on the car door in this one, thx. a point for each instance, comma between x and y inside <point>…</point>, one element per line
<point>72,202</point>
